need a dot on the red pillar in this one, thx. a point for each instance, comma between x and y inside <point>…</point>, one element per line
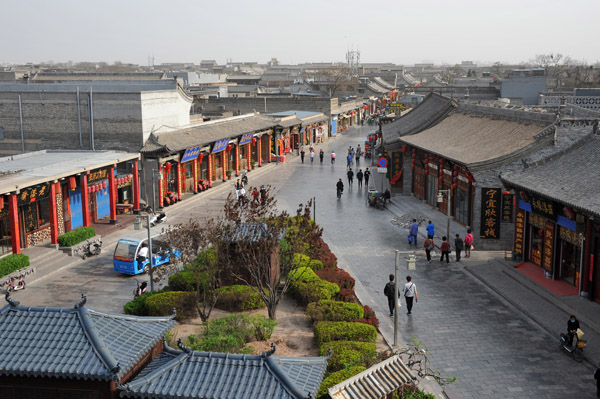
<point>270,160</point>
<point>53,215</point>
<point>85,200</point>
<point>258,151</point>
<point>160,186</point>
<point>195,174</point>
<point>237,159</point>
<point>179,180</point>
<point>223,164</point>
<point>13,216</point>
<point>249,155</point>
<point>210,158</point>
<point>112,194</point>
<point>136,187</point>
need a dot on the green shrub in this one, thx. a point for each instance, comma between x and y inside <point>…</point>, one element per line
<point>230,334</point>
<point>137,306</point>
<point>370,317</point>
<point>162,304</point>
<point>337,377</point>
<point>76,236</point>
<point>338,276</point>
<point>12,263</point>
<point>206,257</point>
<point>348,353</point>
<point>334,311</point>
<point>235,298</point>
<point>326,331</point>
<point>301,260</point>
<point>185,280</point>
<point>410,391</point>
<point>309,287</point>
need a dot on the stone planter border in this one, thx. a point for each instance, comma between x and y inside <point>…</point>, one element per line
<point>80,247</point>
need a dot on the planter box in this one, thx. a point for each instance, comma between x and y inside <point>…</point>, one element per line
<point>24,271</point>
<point>79,248</point>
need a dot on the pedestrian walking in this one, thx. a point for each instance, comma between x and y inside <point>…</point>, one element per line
<point>321,155</point>
<point>390,292</point>
<point>367,175</point>
<point>410,292</point>
<point>312,148</point>
<point>445,248</point>
<point>429,247</point>
<point>597,378</point>
<point>332,157</point>
<point>468,243</point>
<point>359,177</point>
<point>358,149</point>
<point>349,161</point>
<point>312,157</point>
<point>357,158</point>
<point>350,177</point>
<point>458,246</point>
<point>302,154</point>
<point>412,232</point>
<point>256,195</point>
<point>430,229</point>
<point>263,195</point>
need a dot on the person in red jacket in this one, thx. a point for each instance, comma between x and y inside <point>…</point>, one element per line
<point>468,243</point>
<point>445,248</point>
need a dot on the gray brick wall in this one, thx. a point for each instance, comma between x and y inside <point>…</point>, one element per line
<point>266,104</point>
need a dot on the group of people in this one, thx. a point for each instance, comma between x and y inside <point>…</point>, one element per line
<point>353,154</point>
<point>258,195</point>
<point>360,175</point>
<point>445,247</point>
<point>409,292</point>
<point>312,155</point>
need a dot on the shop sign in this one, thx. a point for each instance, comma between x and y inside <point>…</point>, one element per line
<point>396,164</point>
<point>570,236</point>
<point>543,207</point>
<point>191,153</point>
<point>490,213</point>
<point>548,245</point>
<point>32,194</point>
<point>127,183</point>
<point>97,175</point>
<point>519,231</point>
<point>220,145</point>
<point>537,221</point>
<point>246,138</point>
<point>507,207</point>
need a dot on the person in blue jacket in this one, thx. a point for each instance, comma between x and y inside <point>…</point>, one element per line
<point>413,231</point>
<point>430,229</point>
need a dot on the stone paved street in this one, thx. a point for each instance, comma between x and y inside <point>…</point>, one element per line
<point>493,348</point>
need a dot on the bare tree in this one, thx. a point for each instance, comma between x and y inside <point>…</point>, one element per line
<point>334,78</point>
<point>556,65</point>
<point>263,244</point>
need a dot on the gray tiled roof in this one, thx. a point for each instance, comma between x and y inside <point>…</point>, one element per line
<point>77,342</point>
<point>193,375</point>
<point>571,178</point>
<point>206,133</point>
<point>430,111</point>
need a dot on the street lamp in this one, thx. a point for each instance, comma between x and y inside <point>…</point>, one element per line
<point>137,225</point>
<point>154,172</point>
<point>410,265</point>
<point>440,199</point>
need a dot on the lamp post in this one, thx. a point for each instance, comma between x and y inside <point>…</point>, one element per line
<point>440,199</point>
<point>137,225</point>
<point>154,172</point>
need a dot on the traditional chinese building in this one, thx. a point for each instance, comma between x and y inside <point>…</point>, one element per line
<point>47,193</point>
<point>557,222</point>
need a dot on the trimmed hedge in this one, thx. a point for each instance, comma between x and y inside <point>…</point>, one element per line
<point>337,377</point>
<point>347,295</point>
<point>76,236</point>
<point>309,287</point>
<point>235,298</point>
<point>348,353</point>
<point>369,318</point>
<point>184,280</point>
<point>326,331</point>
<point>338,276</point>
<point>334,311</point>
<point>137,306</point>
<point>305,261</point>
<point>12,263</point>
<point>162,304</point>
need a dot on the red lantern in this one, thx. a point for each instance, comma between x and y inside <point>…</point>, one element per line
<point>414,150</point>
<point>168,167</point>
<point>455,173</point>
<point>201,157</point>
<point>253,140</point>
<point>104,184</point>
<point>455,167</point>
<point>412,166</point>
<point>426,172</point>
<point>72,183</point>
<point>426,167</point>
<point>229,148</point>
<point>455,180</point>
<point>1,202</point>
<point>370,139</point>
<point>454,186</point>
<point>404,148</point>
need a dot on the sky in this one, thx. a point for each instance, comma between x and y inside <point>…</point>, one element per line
<point>401,32</point>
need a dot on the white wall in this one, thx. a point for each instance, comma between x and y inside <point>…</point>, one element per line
<point>164,110</point>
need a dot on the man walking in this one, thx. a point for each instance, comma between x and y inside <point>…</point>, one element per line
<point>390,292</point>
<point>429,246</point>
<point>430,229</point>
<point>597,377</point>
<point>359,177</point>
<point>412,232</point>
<point>458,246</point>
<point>312,157</point>
<point>410,292</point>
<point>350,177</point>
<point>348,161</point>
<point>445,248</point>
<point>367,175</point>
<point>302,154</point>
<point>321,155</point>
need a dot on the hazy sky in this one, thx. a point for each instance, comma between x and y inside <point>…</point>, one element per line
<point>400,31</point>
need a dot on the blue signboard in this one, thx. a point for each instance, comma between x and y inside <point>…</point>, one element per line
<point>191,153</point>
<point>246,138</point>
<point>220,145</point>
<point>382,162</point>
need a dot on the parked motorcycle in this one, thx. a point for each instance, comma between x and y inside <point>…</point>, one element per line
<point>140,289</point>
<point>244,179</point>
<point>15,285</point>
<point>157,218</point>
<point>93,248</point>
<point>576,350</point>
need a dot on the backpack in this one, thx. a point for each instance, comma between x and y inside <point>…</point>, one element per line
<point>445,246</point>
<point>389,289</point>
<point>429,244</point>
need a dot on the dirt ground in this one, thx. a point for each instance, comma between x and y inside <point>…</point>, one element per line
<point>293,335</point>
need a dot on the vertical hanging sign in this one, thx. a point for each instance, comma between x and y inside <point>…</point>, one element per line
<point>507,208</point>
<point>490,213</point>
<point>548,246</point>
<point>519,231</point>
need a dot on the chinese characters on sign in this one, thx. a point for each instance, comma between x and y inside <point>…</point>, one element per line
<point>220,145</point>
<point>507,207</point>
<point>543,207</point>
<point>519,231</point>
<point>548,246</point>
<point>569,235</point>
<point>191,153</point>
<point>490,213</point>
<point>33,194</point>
<point>396,164</point>
<point>97,175</point>
<point>246,138</point>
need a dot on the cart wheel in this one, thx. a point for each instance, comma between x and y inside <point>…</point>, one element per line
<point>578,355</point>
<point>84,257</point>
<point>147,269</point>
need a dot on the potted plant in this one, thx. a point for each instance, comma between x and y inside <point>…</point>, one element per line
<point>253,164</point>
<point>229,172</point>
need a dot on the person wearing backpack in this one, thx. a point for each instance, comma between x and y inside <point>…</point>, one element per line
<point>458,246</point>
<point>445,248</point>
<point>390,292</point>
<point>429,246</point>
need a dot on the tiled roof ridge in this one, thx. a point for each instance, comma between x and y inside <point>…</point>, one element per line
<point>284,379</point>
<point>520,116</point>
<point>97,343</point>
